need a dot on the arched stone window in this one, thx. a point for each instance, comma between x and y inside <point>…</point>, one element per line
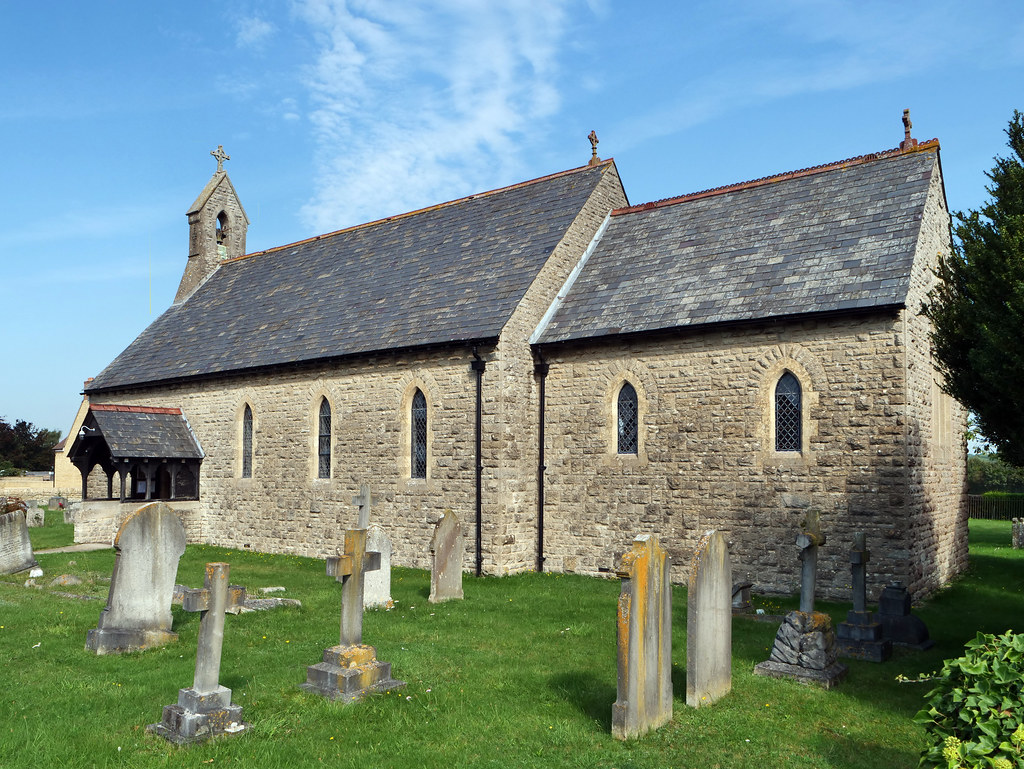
<point>418,435</point>
<point>247,442</point>
<point>627,414</point>
<point>324,442</point>
<point>788,414</point>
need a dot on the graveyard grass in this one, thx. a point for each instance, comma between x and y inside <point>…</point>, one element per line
<point>521,673</point>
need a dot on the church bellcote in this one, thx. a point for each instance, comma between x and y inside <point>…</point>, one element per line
<point>216,228</point>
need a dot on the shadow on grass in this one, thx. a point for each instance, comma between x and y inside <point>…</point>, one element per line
<point>593,696</point>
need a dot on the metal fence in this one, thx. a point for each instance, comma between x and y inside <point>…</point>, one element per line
<point>994,508</point>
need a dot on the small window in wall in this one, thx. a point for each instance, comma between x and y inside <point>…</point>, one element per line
<point>419,435</point>
<point>627,414</point>
<point>247,442</point>
<point>324,443</point>
<point>788,414</point>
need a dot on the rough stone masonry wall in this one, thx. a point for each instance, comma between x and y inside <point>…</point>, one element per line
<point>284,507</point>
<point>512,405</point>
<point>707,459</point>
<point>936,524</point>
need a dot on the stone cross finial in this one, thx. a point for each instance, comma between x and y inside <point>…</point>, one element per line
<point>221,156</point>
<point>350,569</point>
<point>594,159</point>
<point>908,142</point>
<point>211,601</point>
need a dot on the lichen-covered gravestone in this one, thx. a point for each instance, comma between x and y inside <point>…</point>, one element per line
<point>709,622</point>
<point>205,709</point>
<point>351,670</point>
<point>35,517</point>
<point>15,546</point>
<point>805,645</point>
<point>138,613</point>
<point>377,588</point>
<point>448,547</point>
<point>644,630</point>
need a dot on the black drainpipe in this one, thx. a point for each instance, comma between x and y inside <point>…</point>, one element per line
<point>541,370</point>
<point>478,365</point>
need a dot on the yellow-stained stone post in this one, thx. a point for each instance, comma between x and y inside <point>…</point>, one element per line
<point>709,622</point>
<point>644,641</point>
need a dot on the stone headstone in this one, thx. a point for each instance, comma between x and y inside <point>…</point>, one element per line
<point>898,624</point>
<point>351,670</point>
<point>15,546</point>
<point>138,613</point>
<point>447,547</point>
<point>377,587</point>
<point>860,637</point>
<point>56,503</point>
<point>709,622</point>
<point>805,645</point>
<point>644,631</point>
<point>35,517</point>
<point>205,710</point>
<point>71,511</point>
<point>1017,533</point>
<point>741,597</point>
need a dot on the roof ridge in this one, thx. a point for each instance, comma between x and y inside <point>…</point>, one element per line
<point>923,146</point>
<point>436,206</point>
<point>134,409</point>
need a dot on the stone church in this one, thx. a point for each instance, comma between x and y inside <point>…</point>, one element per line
<point>563,370</point>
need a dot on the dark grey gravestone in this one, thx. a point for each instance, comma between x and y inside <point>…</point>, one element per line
<point>138,612</point>
<point>448,547</point>
<point>15,546</point>
<point>644,631</point>
<point>1017,533</point>
<point>860,637</point>
<point>709,622</point>
<point>351,670</point>
<point>205,710</point>
<point>805,645</point>
<point>898,624</point>
<point>377,586</point>
<point>741,597</point>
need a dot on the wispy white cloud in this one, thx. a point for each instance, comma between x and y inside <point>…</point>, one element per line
<point>252,31</point>
<point>420,101</point>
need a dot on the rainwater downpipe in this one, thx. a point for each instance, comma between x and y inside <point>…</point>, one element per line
<point>541,370</point>
<point>479,365</point>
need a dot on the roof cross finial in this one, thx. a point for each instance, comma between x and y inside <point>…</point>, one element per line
<point>908,142</point>
<point>221,156</point>
<point>594,159</point>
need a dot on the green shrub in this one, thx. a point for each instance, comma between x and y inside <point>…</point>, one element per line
<point>974,716</point>
<point>1002,495</point>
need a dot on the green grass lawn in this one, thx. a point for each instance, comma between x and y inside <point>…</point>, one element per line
<point>520,673</point>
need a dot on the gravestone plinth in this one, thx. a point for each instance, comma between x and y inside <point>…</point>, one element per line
<point>709,622</point>
<point>448,547</point>
<point>350,671</point>
<point>205,710</point>
<point>644,632</point>
<point>138,612</point>
<point>898,624</point>
<point>804,650</point>
<point>15,545</point>
<point>805,645</point>
<point>860,637</point>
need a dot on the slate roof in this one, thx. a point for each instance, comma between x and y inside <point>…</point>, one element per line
<point>143,432</point>
<point>833,238</point>
<point>447,274</point>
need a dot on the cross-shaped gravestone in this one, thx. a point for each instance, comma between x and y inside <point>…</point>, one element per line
<point>808,539</point>
<point>860,636</point>
<point>363,501</point>
<point>350,569</point>
<point>221,156</point>
<point>205,709</point>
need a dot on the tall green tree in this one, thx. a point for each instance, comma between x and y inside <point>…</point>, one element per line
<point>25,447</point>
<point>977,307</point>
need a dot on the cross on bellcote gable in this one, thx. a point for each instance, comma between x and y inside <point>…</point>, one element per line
<point>221,156</point>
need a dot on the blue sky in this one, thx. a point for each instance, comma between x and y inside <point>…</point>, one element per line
<point>336,113</point>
